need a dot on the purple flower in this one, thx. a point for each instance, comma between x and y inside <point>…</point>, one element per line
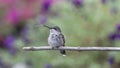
<point>78,3</point>
<point>46,6</point>
<point>114,37</point>
<point>111,60</point>
<point>104,1</point>
<point>43,19</point>
<point>9,44</point>
<point>118,27</point>
<point>9,41</point>
<point>48,65</point>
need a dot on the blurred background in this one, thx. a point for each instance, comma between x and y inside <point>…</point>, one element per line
<point>83,22</point>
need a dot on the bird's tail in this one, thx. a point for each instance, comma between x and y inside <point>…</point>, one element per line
<point>63,52</point>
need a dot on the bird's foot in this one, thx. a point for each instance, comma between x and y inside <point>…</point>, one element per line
<point>53,47</point>
<point>57,47</point>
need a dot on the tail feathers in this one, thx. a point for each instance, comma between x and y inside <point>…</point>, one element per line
<point>63,52</point>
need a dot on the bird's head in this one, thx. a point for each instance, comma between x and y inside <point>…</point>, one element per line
<point>53,29</point>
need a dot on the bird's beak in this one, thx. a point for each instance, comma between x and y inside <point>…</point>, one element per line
<point>47,26</point>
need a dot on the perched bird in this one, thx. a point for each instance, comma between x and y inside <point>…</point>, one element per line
<point>56,38</point>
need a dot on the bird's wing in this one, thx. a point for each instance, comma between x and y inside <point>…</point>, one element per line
<point>62,39</point>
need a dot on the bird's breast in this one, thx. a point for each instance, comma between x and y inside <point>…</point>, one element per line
<point>53,40</point>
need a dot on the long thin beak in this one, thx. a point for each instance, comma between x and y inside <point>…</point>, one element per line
<point>47,26</point>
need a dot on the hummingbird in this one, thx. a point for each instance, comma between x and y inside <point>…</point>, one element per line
<point>56,38</point>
